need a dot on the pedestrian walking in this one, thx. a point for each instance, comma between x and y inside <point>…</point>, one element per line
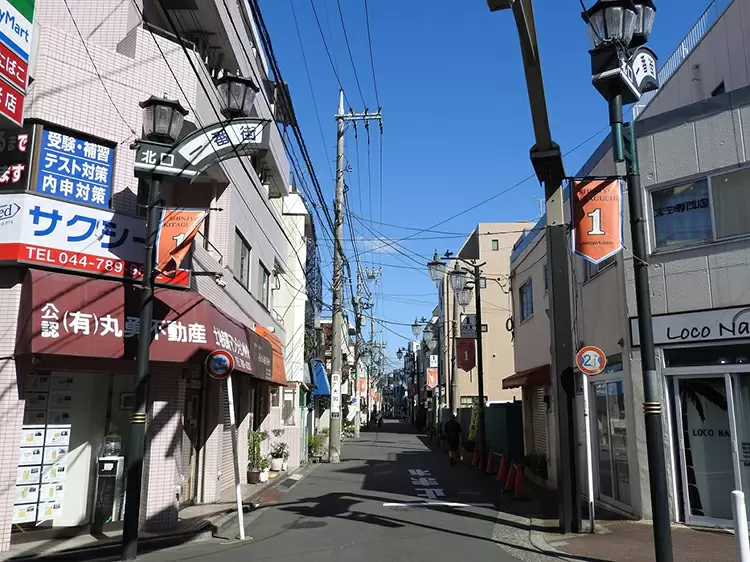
<point>452,433</point>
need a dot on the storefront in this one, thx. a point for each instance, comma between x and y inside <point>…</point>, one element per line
<point>706,358</point>
<point>75,359</point>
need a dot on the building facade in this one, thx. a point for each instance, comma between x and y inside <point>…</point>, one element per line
<point>696,185</point>
<point>70,326</point>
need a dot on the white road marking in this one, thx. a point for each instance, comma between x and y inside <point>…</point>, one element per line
<point>436,504</point>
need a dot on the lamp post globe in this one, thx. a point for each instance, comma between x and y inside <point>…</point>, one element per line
<point>436,268</point>
<point>644,22</point>
<point>464,296</point>
<point>431,344</point>
<point>400,354</point>
<point>458,278</point>
<point>610,21</point>
<point>416,328</point>
<point>237,95</point>
<point>162,119</point>
<point>429,333</point>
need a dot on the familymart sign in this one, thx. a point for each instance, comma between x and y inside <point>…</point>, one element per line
<point>17,25</point>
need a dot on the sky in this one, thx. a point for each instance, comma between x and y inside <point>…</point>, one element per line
<point>456,123</point>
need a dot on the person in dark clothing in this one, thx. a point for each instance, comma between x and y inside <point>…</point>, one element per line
<point>452,432</point>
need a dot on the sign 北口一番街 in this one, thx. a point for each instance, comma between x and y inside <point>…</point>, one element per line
<point>597,218</point>
<point>75,169</point>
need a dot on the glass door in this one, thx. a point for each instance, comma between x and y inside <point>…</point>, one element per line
<point>703,417</point>
<point>741,391</point>
<point>612,442</point>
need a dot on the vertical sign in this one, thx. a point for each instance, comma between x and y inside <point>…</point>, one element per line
<point>432,377</point>
<point>468,325</point>
<point>16,29</point>
<point>362,386</point>
<point>465,354</point>
<point>335,395</point>
<point>15,157</point>
<point>75,169</point>
<point>177,229</point>
<point>597,218</point>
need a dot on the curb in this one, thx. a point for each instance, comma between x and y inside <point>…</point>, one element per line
<point>224,523</point>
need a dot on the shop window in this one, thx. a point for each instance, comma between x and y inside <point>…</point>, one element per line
<point>275,397</point>
<point>592,270</point>
<point>682,215</point>
<point>526,300</point>
<point>241,264</point>
<point>495,245</point>
<point>287,412</point>
<point>265,285</point>
<point>730,195</point>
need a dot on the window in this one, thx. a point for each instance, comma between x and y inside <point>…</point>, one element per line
<point>275,397</point>
<point>702,211</point>
<point>265,285</point>
<point>287,412</point>
<point>682,215</point>
<point>594,270</point>
<point>718,90</point>
<point>730,195</point>
<point>526,300</point>
<point>495,245</point>
<point>546,277</point>
<point>241,263</point>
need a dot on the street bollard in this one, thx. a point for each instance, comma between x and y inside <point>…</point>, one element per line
<point>740,526</point>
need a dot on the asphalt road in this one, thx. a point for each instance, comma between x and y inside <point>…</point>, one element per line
<point>365,509</point>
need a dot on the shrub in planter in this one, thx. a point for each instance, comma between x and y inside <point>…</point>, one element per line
<point>314,446</point>
<point>264,470</point>
<point>279,453</point>
<point>254,458</point>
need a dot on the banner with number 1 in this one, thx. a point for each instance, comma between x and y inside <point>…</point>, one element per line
<point>596,212</point>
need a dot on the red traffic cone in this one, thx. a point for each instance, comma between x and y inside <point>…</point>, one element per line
<point>475,458</point>
<point>510,483</point>
<point>502,474</point>
<point>490,468</point>
<point>520,490</point>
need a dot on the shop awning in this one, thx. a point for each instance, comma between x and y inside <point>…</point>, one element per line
<point>278,372</point>
<point>538,376</point>
<point>320,378</point>
<point>77,316</point>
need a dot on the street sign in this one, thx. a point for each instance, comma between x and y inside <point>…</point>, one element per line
<point>433,361</point>
<point>591,360</point>
<point>432,378</point>
<point>335,396</point>
<point>468,325</point>
<point>465,354</point>
<point>597,218</point>
<point>219,364</point>
<point>202,148</point>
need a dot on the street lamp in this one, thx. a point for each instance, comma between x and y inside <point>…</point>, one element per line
<point>416,328</point>
<point>400,353</point>
<point>458,278</point>
<point>236,95</point>
<point>464,297</point>
<point>162,122</point>
<point>436,268</point>
<point>623,48</point>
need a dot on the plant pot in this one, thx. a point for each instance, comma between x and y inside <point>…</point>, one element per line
<point>264,476</point>
<point>285,465</point>
<point>276,464</point>
<point>253,475</point>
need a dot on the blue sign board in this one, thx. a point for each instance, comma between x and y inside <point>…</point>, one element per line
<point>74,169</point>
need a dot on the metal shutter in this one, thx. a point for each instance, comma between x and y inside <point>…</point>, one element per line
<point>538,421</point>
<point>226,480</point>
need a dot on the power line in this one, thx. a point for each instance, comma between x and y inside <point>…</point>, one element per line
<point>328,51</point>
<point>372,59</point>
<point>351,58</point>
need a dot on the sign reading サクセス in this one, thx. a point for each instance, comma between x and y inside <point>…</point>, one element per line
<point>62,235</point>
<point>597,218</point>
<point>75,169</point>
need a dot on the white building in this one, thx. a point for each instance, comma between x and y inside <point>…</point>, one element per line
<point>696,181</point>
<point>89,73</point>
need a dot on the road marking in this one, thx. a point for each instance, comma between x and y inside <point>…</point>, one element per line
<point>436,504</point>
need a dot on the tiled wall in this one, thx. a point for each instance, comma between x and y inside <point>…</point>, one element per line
<point>11,407</point>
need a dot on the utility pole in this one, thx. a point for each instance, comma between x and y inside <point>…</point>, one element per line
<point>454,363</point>
<point>334,441</point>
<point>357,341</point>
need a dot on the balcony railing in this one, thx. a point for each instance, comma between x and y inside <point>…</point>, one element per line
<point>686,46</point>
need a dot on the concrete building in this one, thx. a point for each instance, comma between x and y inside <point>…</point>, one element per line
<point>696,182</point>
<point>66,380</point>
<point>491,244</point>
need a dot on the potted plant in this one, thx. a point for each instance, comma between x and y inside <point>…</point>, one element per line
<point>279,453</point>
<point>315,447</point>
<point>264,464</point>
<point>254,458</point>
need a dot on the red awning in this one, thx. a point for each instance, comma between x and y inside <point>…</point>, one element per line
<point>538,376</point>
<point>80,316</point>
<point>278,372</point>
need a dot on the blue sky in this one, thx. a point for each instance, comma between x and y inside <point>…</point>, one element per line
<point>457,125</point>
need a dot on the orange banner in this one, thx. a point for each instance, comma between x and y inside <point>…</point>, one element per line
<point>362,386</point>
<point>177,230</point>
<point>597,218</point>
<point>432,378</point>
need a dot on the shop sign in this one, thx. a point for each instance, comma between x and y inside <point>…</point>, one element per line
<point>706,325</point>
<point>16,25</point>
<point>75,169</point>
<point>61,235</point>
<point>13,69</point>
<point>597,218</point>
<point>16,147</point>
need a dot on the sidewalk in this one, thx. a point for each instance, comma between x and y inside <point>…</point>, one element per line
<point>529,529</point>
<point>196,522</point>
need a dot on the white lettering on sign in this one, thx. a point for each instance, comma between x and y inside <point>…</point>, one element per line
<point>336,394</point>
